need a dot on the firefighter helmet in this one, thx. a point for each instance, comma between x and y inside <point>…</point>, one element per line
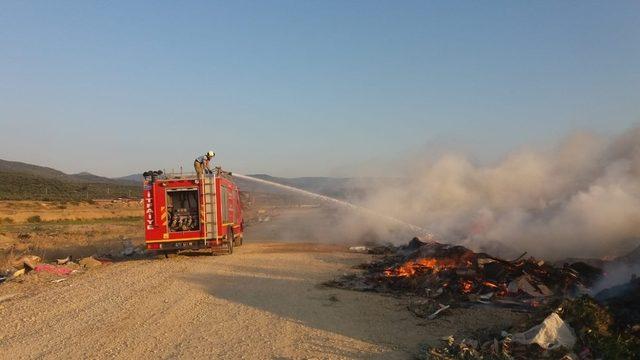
<point>211,154</point>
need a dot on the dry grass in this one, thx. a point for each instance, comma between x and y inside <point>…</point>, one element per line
<point>28,211</point>
<point>51,230</point>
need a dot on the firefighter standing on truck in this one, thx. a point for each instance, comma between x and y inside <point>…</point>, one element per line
<point>201,164</point>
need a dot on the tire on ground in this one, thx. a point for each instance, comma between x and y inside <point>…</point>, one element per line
<point>230,240</point>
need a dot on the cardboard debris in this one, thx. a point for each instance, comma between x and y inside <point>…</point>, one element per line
<point>551,334</point>
<point>27,261</point>
<point>90,262</point>
<point>524,284</point>
<point>455,274</point>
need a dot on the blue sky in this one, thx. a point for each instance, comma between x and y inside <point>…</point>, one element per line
<point>296,88</point>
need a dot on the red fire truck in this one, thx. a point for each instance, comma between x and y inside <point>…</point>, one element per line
<point>190,212</point>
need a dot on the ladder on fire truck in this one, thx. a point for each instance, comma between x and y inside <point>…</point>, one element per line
<point>210,229</point>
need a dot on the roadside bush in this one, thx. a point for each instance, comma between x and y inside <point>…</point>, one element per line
<point>34,219</point>
<point>6,220</point>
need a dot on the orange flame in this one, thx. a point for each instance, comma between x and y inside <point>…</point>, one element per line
<point>411,267</point>
<point>500,289</point>
<point>490,284</point>
<point>466,286</point>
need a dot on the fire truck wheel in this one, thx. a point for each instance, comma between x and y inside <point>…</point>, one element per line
<point>229,241</point>
<point>237,241</point>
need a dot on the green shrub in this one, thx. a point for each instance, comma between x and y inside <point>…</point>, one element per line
<point>6,220</point>
<point>21,186</point>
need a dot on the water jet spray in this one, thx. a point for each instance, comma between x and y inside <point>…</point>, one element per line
<point>423,233</point>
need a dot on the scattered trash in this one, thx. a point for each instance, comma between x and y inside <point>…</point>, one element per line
<point>373,250</point>
<point>73,265</point>
<point>524,284</point>
<point>465,349</point>
<point>359,249</point>
<point>26,261</point>
<point>562,316</point>
<point>591,329</point>
<point>129,249</point>
<point>485,298</point>
<point>422,308</point>
<point>551,334</point>
<point>435,314</point>
<point>18,273</point>
<point>457,275</point>
<point>63,261</point>
<point>58,280</point>
<point>503,348</point>
<point>90,262</point>
<point>427,309</point>
<point>53,269</point>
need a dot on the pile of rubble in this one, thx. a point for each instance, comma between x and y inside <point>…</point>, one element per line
<point>452,273</point>
<point>565,322</point>
<point>577,329</point>
<point>26,264</point>
<point>61,267</point>
<point>552,338</point>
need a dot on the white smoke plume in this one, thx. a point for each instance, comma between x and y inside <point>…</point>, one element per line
<point>580,198</point>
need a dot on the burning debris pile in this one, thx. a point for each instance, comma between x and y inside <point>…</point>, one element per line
<point>456,274</point>
<point>565,322</point>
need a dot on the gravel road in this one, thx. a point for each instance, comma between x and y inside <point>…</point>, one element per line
<point>262,302</point>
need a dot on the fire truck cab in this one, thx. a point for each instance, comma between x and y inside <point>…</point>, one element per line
<point>187,212</point>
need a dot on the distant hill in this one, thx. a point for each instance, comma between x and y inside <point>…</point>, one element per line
<point>47,172</point>
<point>22,181</point>
<point>89,177</point>
<point>24,168</point>
<point>134,177</point>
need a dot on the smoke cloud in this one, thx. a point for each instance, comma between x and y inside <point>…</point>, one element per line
<point>581,198</point>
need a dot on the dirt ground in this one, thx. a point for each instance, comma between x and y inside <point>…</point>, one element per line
<point>265,301</point>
